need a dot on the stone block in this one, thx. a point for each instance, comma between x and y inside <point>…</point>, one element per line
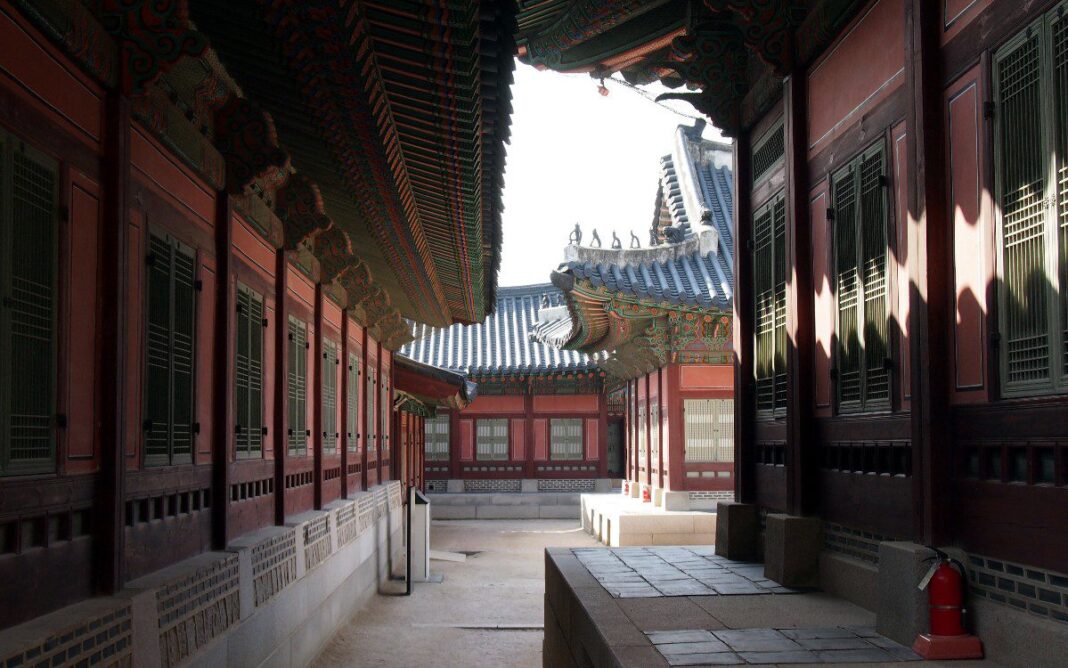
<point>602,485</point>
<point>737,531</point>
<point>705,523</point>
<point>451,512</point>
<point>675,500</point>
<point>792,547</point>
<point>626,539</point>
<point>558,512</point>
<point>454,486</point>
<point>506,512</point>
<point>689,538</point>
<point>901,613</point>
<point>528,485</point>
<point>852,579</point>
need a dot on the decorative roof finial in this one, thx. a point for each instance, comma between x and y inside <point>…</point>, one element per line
<point>635,242</point>
<point>595,242</point>
<point>575,239</point>
<point>616,243</point>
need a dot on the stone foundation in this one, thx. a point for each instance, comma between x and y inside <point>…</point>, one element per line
<point>618,520</point>
<point>273,597</point>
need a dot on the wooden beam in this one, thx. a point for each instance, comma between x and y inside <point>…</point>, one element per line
<point>281,382</point>
<point>109,536</point>
<point>222,370</point>
<point>928,273</point>
<point>801,456</point>
<point>744,406</point>
<point>316,395</point>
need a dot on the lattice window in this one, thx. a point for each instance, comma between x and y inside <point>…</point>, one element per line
<point>565,439</point>
<point>437,438</point>
<point>297,388</point>
<point>768,152</point>
<point>709,425</point>
<point>860,237</point>
<point>330,365</point>
<point>248,373</point>
<point>1031,118</point>
<point>769,276</point>
<point>171,331</point>
<point>352,404</point>
<point>372,422</point>
<point>491,439</point>
<point>28,265</point>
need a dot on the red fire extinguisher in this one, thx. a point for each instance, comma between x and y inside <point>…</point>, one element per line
<point>626,488</point>
<point>945,596</point>
<point>646,495</point>
<point>948,638</point>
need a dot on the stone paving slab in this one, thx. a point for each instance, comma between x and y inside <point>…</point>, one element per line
<point>722,647</point>
<point>649,572</point>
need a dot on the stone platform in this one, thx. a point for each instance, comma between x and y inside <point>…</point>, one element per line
<point>586,623</point>
<point>617,520</point>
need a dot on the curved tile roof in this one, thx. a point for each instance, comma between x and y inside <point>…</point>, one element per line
<point>501,344</point>
<point>695,198</point>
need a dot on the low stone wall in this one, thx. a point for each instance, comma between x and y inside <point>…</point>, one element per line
<point>518,505</point>
<point>275,596</point>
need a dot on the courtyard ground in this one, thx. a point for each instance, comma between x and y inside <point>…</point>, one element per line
<point>487,612</point>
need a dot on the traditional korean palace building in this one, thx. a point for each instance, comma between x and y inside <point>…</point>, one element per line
<point>658,321</point>
<point>218,221</point>
<point>900,274</point>
<point>541,416</point>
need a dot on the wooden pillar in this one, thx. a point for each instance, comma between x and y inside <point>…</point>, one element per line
<point>632,434</point>
<point>676,428</point>
<point>648,432</point>
<point>222,370</point>
<point>660,416</point>
<point>281,383</point>
<point>744,406</point>
<point>343,404</point>
<point>380,412</point>
<point>528,433</point>
<point>454,444</point>
<point>391,415</point>
<point>316,395</point>
<point>602,434</point>
<point>801,454</point>
<point>363,411</point>
<point>929,263</point>
<point>110,532</point>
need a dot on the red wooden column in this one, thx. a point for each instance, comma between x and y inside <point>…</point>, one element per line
<point>343,404</point>
<point>454,444</point>
<point>380,413</point>
<point>110,532</point>
<point>744,406</point>
<point>929,263</point>
<point>632,433</point>
<point>222,370</point>
<point>648,433</point>
<point>281,383</point>
<point>661,416</point>
<point>363,411</point>
<point>316,395</point>
<point>802,466</point>
<point>528,432</point>
<point>676,428</point>
<point>602,434</point>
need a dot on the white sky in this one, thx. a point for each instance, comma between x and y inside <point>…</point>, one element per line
<point>578,156</point>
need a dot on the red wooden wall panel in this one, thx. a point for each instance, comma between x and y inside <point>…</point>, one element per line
<point>205,389</point>
<point>971,233</point>
<point>80,335</point>
<point>519,430</point>
<point>467,440</point>
<point>593,439</point>
<point>541,440</point>
<point>858,72</point>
